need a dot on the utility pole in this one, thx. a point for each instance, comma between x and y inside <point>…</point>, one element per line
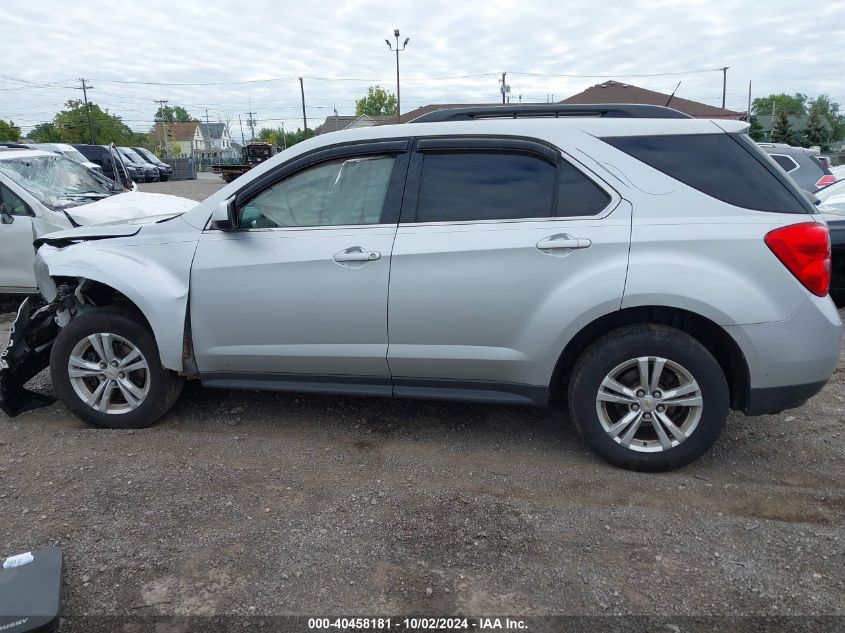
<point>724,84</point>
<point>240,121</point>
<point>87,109</point>
<point>504,86</point>
<point>749,101</point>
<point>772,124</point>
<point>398,50</point>
<point>251,123</point>
<point>208,131</point>
<point>162,103</point>
<point>304,119</point>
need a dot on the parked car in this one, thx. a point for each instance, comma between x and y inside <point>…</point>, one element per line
<point>165,171</point>
<point>832,205</point>
<point>42,192</point>
<point>657,270</point>
<point>149,173</point>
<point>802,164</point>
<point>838,171</point>
<point>68,150</point>
<point>111,161</point>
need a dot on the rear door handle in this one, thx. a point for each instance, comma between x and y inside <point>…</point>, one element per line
<point>356,254</point>
<point>562,241</point>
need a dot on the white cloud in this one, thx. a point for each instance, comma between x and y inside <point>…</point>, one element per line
<point>780,45</point>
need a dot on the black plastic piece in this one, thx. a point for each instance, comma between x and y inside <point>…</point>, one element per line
<point>552,110</point>
<point>28,352</point>
<point>30,595</point>
<point>769,401</point>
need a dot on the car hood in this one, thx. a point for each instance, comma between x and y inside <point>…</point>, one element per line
<point>130,206</point>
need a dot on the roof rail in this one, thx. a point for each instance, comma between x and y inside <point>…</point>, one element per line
<point>551,110</point>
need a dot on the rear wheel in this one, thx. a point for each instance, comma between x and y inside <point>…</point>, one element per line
<point>105,367</point>
<point>648,397</point>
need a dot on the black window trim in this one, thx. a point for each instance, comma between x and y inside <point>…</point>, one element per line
<point>395,188</point>
<point>505,144</point>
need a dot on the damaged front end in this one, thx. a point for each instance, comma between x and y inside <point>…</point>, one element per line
<point>28,352</point>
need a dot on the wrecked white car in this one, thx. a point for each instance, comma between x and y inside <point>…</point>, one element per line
<point>42,192</point>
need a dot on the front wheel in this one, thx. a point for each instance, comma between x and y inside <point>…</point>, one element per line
<point>648,397</point>
<point>105,367</point>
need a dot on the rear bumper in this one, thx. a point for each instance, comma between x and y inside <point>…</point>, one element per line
<point>776,399</point>
<point>791,360</point>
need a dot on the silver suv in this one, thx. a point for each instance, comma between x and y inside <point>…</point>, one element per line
<point>654,269</point>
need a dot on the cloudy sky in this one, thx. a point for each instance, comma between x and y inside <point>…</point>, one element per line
<point>248,54</point>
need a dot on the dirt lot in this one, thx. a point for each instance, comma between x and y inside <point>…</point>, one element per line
<point>253,503</point>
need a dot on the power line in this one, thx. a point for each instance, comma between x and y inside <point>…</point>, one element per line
<point>368,79</point>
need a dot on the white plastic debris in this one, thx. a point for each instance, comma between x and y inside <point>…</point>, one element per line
<point>18,560</point>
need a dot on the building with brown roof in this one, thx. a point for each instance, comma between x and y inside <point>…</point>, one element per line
<point>616,92</point>
<point>183,139</point>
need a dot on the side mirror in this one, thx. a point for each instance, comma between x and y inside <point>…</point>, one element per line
<point>5,216</point>
<point>225,215</point>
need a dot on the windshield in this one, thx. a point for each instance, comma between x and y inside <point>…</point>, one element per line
<point>56,181</point>
<point>129,155</point>
<point>75,155</point>
<point>143,153</point>
<point>259,151</point>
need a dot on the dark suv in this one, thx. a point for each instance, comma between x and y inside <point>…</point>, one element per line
<point>803,165</point>
<point>165,171</point>
<point>102,156</point>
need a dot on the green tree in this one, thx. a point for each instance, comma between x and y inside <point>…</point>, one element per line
<point>378,101</point>
<point>829,110</point>
<point>72,123</point>
<point>782,131</point>
<point>46,133</point>
<point>756,130</point>
<point>795,104</point>
<point>174,114</point>
<point>281,138</point>
<point>816,132</point>
<point>9,131</point>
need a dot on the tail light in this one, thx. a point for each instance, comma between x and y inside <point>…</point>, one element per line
<point>805,250</point>
<point>824,181</point>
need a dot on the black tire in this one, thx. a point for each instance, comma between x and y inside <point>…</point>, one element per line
<point>164,385</point>
<point>632,342</point>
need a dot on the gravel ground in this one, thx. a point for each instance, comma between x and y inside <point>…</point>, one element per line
<point>250,503</point>
<point>199,189</point>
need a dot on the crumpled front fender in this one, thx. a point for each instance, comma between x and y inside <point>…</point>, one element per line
<point>155,277</point>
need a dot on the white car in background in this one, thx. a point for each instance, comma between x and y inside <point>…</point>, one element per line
<point>42,192</point>
<point>70,151</point>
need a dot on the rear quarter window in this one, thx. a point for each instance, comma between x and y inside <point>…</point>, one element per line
<point>723,166</point>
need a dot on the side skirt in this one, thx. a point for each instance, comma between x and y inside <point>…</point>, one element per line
<point>426,389</point>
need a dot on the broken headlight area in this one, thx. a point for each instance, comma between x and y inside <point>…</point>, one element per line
<point>28,352</point>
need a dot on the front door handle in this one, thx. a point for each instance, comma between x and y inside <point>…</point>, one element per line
<point>561,241</point>
<point>356,254</point>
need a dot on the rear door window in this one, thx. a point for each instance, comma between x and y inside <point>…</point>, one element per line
<point>473,186</point>
<point>718,165</point>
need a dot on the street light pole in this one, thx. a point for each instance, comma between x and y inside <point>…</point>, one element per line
<point>398,50</point>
